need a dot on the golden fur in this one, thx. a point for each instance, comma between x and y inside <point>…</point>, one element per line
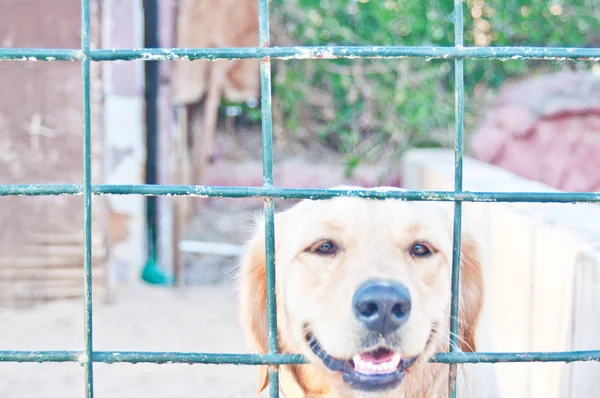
<point>315,292</point>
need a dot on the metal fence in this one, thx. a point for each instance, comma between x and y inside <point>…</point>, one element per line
<point>85,55</point>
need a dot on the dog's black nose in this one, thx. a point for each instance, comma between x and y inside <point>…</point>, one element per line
<point>383,306</point>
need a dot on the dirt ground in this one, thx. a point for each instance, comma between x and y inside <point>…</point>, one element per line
<point>193,319</point>
<point>201,317</point>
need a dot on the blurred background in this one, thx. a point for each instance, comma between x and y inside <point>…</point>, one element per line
<point>163,266</point>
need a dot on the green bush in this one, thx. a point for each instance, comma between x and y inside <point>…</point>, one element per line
<point>366,108</point>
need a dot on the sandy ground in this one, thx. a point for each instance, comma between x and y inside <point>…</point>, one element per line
<point>199,318</point>
<point>196,319</point>
<point>222,221</point>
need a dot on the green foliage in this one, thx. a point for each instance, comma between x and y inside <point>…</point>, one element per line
<point>368,107</point>
<point>250,110</point>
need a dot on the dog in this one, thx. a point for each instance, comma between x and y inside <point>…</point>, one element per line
<point>363,291</point>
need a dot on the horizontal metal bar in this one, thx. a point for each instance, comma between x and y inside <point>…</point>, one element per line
<point>111,357</point>
<point>40,356</point>
<point>40,190</point>
<point>313,52</point>
<point>295,193</point>
<point>39,54</point>
<point>332,52</point>
<point>506,357</point>
<point>198,358</point>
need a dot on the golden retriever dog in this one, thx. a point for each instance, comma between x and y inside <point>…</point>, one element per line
<point>363,291</point>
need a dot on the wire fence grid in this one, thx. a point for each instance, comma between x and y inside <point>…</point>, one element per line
<point>85,55</point>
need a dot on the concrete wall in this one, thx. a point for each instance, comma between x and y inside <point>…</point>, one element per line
<point>541,275</point>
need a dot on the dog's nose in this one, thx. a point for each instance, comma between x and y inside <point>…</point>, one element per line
<point>382,306</point>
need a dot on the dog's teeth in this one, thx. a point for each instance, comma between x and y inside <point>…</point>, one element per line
<point>366,367</point>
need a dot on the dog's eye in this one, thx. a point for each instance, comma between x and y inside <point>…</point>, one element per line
<point>324,247</point>
<point>419,250</point>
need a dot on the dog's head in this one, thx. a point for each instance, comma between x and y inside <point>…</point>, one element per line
<point>363,290</point>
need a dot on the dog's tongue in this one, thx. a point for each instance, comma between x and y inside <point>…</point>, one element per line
<point>380,355</point>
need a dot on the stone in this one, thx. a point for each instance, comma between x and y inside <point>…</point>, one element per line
<point>546,129</point>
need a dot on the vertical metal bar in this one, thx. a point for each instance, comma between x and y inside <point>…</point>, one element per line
<point>151,97</point>
<point>459,90</point>
<point>269,207</point>
<point>86,360</point>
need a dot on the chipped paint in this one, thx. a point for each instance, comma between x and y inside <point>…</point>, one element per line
<point>83,359</point>
<point>111,357</point>
<point>154,57</point>
<point>293,53</point>
<point>32,55</point>
<point>294,193</point>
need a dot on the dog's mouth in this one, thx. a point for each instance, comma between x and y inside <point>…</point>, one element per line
<point>378,369</point>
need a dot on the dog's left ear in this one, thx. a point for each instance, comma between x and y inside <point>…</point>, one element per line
<point>471,292</point>
<point>253,289</point>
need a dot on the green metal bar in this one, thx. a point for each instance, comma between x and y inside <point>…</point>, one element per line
<point>40,356</point>
<point>313,52</point>
<point>459,89</point>
<point>151,87</point>
<point>39,54</point>
<point>111,357</point>
<point>301,193</point>
<point>322,52</point>
<point>40,190</point>
<point>86,359</point>
<point>198,358</point>
<point>269,206</point>
<point>515,357</point>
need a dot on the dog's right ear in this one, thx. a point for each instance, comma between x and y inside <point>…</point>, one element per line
<point>253,289</point>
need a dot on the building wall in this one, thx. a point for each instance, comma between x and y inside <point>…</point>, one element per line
<point>123,27</point>
<point>123,86</point>
<point>41,142</point>
<point>166,135</point>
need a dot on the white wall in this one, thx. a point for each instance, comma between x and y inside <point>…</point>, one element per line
<point>123,83</point>
<point>541,275</point>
